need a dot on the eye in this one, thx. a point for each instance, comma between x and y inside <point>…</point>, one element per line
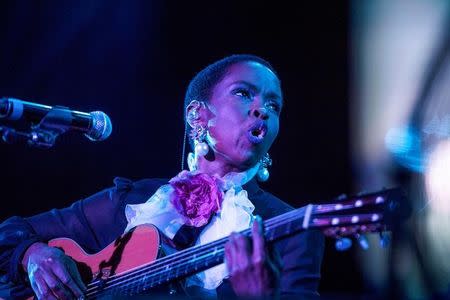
<point>273,106</point>
<point>243,93</point>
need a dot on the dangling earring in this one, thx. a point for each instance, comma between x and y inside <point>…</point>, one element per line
<point>201,148</point>
<point>198,135</point>
<point>263,172</point>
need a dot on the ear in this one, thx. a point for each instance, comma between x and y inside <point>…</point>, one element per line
<point>197,113</point>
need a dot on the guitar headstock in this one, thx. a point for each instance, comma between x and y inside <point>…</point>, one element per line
<point>376,212</point>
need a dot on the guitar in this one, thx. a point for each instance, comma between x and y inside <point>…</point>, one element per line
<point>131,264</point>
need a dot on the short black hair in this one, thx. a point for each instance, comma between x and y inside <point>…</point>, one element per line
<point>201,86</point>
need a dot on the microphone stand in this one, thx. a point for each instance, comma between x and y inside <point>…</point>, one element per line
<point>42,135</point>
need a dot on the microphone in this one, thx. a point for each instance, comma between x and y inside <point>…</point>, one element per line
<point>96,125</point>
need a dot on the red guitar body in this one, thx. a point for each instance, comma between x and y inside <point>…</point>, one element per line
<point>137,248</point>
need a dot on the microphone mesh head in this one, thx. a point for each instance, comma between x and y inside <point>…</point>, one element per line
<point>101,126</point>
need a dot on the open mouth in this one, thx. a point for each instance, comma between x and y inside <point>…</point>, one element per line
<point>257,132</point>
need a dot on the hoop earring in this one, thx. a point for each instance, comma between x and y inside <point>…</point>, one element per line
<point>263,173</point>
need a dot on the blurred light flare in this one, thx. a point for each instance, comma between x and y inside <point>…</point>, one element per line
<point>404,144</point>
<point>392,45</point>
<point>437,179</point>
<point>437,221</point>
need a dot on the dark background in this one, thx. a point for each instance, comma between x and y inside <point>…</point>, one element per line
<point>134,59</point>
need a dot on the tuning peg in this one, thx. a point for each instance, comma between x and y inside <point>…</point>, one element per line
<point>362,240</point>
<point>385,239</point>
<point>343,244</point>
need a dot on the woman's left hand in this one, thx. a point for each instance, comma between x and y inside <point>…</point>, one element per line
<point>254,272</point>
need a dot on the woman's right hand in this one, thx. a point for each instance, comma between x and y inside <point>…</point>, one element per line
<point>52,274</point>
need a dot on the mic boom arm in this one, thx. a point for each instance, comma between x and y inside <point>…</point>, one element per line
<point>51,122</point>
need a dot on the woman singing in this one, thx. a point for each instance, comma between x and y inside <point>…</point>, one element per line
<point>232,113</point>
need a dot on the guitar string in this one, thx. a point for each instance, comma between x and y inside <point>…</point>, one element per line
<point>131,283</point>
<point>182,263</point>
<point>139,287</point>
<point>179,259</point>
<point>185,255</point>
<point>273,221</point>
<point>136,284</point>
<point>127,285</point>
<point>190,251</point>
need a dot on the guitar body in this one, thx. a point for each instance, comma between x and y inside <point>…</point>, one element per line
<point>137,248</point>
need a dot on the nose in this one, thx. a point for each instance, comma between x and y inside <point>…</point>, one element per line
<point>260,112</point>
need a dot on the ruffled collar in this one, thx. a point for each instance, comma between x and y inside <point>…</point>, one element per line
<point>159,210</point>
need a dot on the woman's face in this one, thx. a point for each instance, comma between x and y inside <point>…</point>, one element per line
<point>245,108</point>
